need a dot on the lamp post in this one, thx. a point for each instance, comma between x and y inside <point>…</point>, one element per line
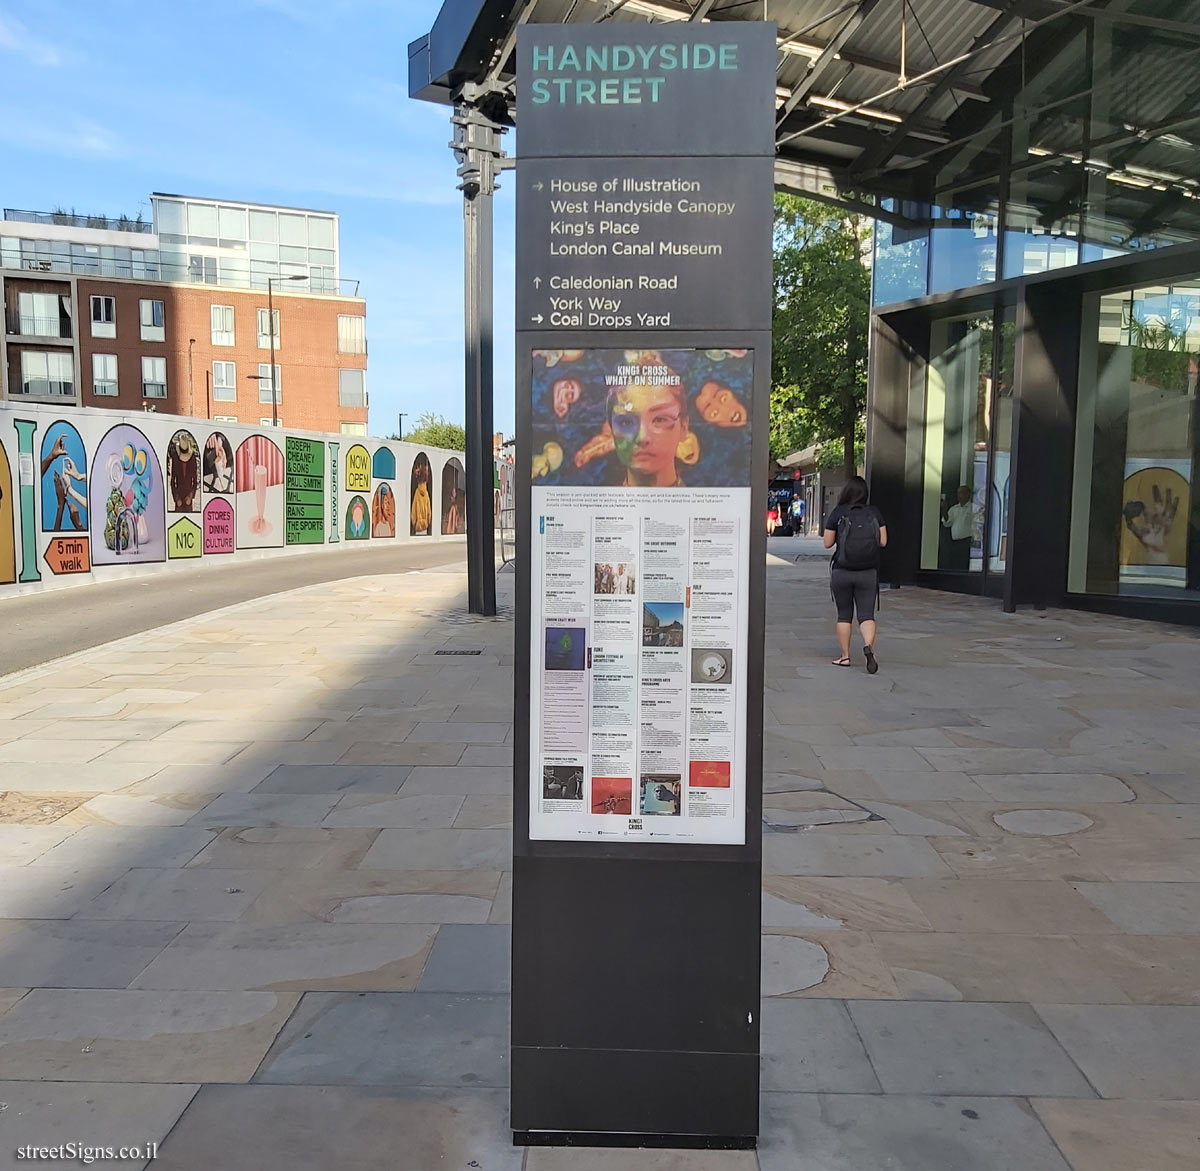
<point>400,433</point>
<point>271,281</point>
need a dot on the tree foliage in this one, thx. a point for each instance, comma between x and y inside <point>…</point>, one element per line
<point>821,318</point>
<point>433,430</point>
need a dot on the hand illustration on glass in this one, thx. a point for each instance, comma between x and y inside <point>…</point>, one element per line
<point>1151,523</point>
<point>260,524</point>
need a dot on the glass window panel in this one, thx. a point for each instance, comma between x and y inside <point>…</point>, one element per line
<point>104,374</point>
<point>320,256</point>
<point>1001,388</point>
<point>201,219</point>
<point>293,255</point>
<point>264,225</point>
<point>320,231</point>
<point>351,334</point>
<point>1132,516</point>
<point>264,384</point>
<point>224,382</point>
<point>901,253</point>
<point>169,216</point>
<point>352,388</point>
<point>264,252</point>
<point>293,229</point>
<point>955,496</point>
<point>232,221</point>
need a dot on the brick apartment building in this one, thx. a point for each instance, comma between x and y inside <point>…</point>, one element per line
<point>174,316</point>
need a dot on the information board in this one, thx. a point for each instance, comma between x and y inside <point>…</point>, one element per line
<point>304,484</point>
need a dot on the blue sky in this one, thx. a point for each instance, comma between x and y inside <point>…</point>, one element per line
<point>281,101</point>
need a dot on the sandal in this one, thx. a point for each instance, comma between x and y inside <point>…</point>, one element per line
<point>872,664</point>
<point>840,663</point>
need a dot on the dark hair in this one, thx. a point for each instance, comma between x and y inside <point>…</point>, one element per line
<point>855,492</point>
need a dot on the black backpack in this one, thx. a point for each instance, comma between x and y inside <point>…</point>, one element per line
<point>857,539</point>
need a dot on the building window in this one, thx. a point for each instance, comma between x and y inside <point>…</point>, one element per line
<point>154,377</point>
<point>202,269</point>
<point>264,384</point>
<point>270,422</point>
<point>1132,508</point>
<point>153,321</point>
<point>42,315</point>
<point>45,374</point>
<point>222,325</point>
<point>224,382</point>
<point>352,338</point>
<point>267,318</point>
<point>352,388</point>
<point>354,428</point>
<point>104,374</point>
<point>104,317</point>
<point>225,418</point>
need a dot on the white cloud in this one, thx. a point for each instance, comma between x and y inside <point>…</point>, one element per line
<point>16,38</point>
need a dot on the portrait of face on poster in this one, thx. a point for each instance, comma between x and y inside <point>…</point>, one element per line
<point>641,418</point>
<point>640,537</point>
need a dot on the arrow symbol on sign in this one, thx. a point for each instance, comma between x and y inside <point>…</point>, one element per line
<point>539,185</point>
<point>537,282</point>
<point>537,320</point>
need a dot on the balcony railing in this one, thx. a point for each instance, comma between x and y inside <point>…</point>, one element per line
<point>26,325</point>
<point>66,220</point>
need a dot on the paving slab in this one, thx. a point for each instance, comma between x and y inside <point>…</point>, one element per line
<point>130,846</point>
<point>897,857</point>
<point>299,958</point>
<point>195,893</point>
<point>70,1034</point>
<point>351,1128</point>
<point>334,778</point>
<point>899,1132</point>
<point>90,1114</point>
<point>1006,906</point>
<point>1124,1136</point>
<point>812,1046</point>
<point>988,1049</point>
<point>487,779</point>
<point>1147,908</point>
<point>861,904</point>
<point>392,1038</point>
<point>441,849</point>
<point>55,953</point>
<point>600,1159</point>
<point>52,892</point>
<point>1131,1050</point>
<point>428,811</point>
<point>286,848</point>
<point>20,844</point>
<point>265,809</point>
<point>469,958</point>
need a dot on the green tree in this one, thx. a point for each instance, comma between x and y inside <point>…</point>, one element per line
<point>435,431</point>
<point>821,318</point>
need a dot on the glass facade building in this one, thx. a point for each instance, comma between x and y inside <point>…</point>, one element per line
<point>1036,340</point>
<point>188,240</point>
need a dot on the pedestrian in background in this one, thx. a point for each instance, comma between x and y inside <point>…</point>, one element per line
<point>855,531</point>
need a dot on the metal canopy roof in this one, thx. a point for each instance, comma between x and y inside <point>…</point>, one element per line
<point>916,99</point>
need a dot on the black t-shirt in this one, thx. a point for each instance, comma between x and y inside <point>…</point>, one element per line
<point>832,520</point>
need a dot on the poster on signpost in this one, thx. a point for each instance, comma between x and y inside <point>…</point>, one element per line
<point>641,487</point>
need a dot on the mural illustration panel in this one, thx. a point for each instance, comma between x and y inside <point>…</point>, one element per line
<point>8,540</point>
<point>454,484</point>
<point>184,539</point>
<point>183,473</point>
<point>334,510</point>
<point>218,465</point>
<point>383,464</point>
<point>383,512</point>
<point>358,519</point>
<point>218,526</point>
<point>305,484</point>
<point>64,480</point>
<point>358,469</point>
<point>259,492</point>
<point>128,515</point>
<point>420,513</point>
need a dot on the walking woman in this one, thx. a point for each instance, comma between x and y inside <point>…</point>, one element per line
<point>856,532</point>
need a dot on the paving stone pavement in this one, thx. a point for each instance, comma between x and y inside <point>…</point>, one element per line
<point>255,891</point>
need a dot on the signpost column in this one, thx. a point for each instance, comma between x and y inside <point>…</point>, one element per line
<point>644,176</point>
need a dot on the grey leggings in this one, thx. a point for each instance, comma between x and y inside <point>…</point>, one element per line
<point>854,589</point>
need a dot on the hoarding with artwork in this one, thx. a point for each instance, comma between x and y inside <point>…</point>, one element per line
<point>641,487</point>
